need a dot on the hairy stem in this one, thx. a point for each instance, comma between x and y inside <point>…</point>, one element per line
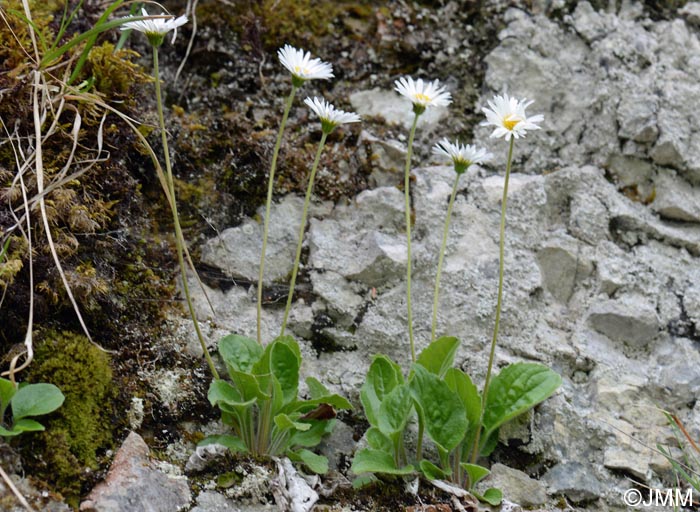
<point>441,258</point>
<point>499,300</point>
<point>407,196</point>
<point>179,239</point>
<point>268,205</point>
<point>302,229</point>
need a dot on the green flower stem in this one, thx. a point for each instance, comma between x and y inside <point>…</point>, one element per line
<point>302,229</point>
<point>499,300</point>
<point>268,204</point>
<point>407,194</point>
<point>419,442</point>
<point>179,239</point>
<point>445,233</point>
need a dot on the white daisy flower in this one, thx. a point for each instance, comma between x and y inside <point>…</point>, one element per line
<point>462,155</point>
<point>155,28</point>
<point>508,116</point>
<point>330,116</point>
<point>302,66</point>
<point>423,94</point>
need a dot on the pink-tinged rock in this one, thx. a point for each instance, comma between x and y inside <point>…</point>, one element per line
<point>134,483</point>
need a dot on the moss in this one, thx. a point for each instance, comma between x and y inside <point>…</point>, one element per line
<point>83,425</point>
<point>114,73</point>
<point>271,23</point>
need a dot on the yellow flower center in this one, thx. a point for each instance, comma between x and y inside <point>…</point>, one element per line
<point>301,71</point>
<point>510,121</point>
<point>423,98</point>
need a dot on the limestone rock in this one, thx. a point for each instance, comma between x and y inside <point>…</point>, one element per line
<point>675,198</point>
<point>575,480</point>
<point>517,486</point>
<point>630,319</point>
<point>394,108</point>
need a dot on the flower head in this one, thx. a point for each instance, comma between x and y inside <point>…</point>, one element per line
<point>302,66</point>
<point>330,116</point>
<point>423,94</point>
<point>462,155</point>
<point>155,28</point>
<point>508,116</point>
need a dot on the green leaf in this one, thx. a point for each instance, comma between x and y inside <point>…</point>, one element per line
<point>222,391</point>
<point>233,443</point>
<point>489,444</point>
<point>363,481</point>
<point>35,400</point>
<point>8,433</point>
<point>27,425</point>
<point>492,496</point>
<point>432,472</point>
<point>316,463</point>
<point>378,441</point>
<point>7,391</point>
<point>395,410</point>
<point>383,376</point>
<point>248,385</point>
<point>312,436</point>
<point>460,383</point>
<point>227,398</point>
<point>284,365</point>
<point>316,389</point>
<point>438,357</point>
<point>518,388</point>
<point>368,460</point>
<point>284,422</point>
<point>475,473</point>
<point>239,352</point>
<point>443,412</point>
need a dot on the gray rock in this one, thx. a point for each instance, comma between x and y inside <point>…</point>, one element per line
<point>394,108</point>
<point>636,116</point>
<point>691,12</point>
<point>516,486</point>
<point>387,159</point>
<point>211,501</point>
<point>561,266</point>
<point>236,251</point>
<point>575,480</point>
<point>134,483</point>
<point>630,319</point>
<point>675,198</point>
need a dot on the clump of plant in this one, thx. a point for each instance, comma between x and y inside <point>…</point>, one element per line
<point>262,406</point>
<point>460,421</point>
<point>261,403</point>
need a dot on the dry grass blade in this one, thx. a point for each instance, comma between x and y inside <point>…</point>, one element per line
<point>28,340</point>
<point>15,491</point>
<point>159,172</point>
<point>38,165</point>
<point>679,424</point>
<point>191,12</point>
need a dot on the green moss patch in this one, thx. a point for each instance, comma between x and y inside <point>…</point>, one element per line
<point>83,427</point>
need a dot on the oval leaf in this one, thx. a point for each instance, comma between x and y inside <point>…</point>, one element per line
<point>35,400</point>
<point>233,443</point>
<point>316,463</point>
<point>438,357</point>
<point>376,461</point>
<point>475,473</point>
<point>516,389</point>
<point>395,410</point>
<point>284,365</point>
<point>444,414</point>
<point>239,352</point>
<point>383,376</point>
